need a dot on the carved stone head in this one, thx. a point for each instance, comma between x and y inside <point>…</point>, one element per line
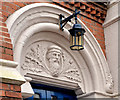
<point>54,59</point>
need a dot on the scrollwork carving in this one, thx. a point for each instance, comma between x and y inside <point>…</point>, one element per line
<point>109,83</point>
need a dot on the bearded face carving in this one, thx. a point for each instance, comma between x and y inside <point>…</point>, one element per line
<point>50,60</point>
<point>54,59</point>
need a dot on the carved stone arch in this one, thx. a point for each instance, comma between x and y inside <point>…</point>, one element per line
<point>41,19</point>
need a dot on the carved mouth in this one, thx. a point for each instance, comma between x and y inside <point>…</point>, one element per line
<point>56,61</point>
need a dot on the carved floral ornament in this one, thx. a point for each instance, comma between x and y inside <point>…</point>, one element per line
<point>109,83</point>
<point>51,60</point>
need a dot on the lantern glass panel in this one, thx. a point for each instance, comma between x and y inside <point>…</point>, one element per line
<point>71,40</point>
<point>76,42</point>
<point>82,40</point>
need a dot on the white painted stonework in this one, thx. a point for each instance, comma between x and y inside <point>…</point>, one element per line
<point>26,89</point>
<point>111,39</point>
<point>9,74</point>
<point>36,61</point>
<point>34,29</point>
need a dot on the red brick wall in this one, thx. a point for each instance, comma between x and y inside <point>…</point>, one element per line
<point>92,15</point>
<point>97,30</point>
<point>10,92</point>
<point>6,51</point>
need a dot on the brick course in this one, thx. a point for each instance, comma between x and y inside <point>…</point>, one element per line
<point>10,92</point>
<point>5,87</point>
<point>2,93</point>
<point>6,51</point>
<point>13,94</point>
<point>6,34</point>
<point>6,57</point>
<point>5,44</point>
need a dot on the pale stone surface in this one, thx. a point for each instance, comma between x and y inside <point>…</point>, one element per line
<point>111,40</point>
<point>9,74</point>
<point>44,59</point>
<point>26,88</point>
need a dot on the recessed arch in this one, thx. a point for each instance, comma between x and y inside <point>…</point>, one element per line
<point>43,17</point>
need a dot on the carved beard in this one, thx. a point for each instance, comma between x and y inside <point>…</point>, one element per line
<point>54,68</point>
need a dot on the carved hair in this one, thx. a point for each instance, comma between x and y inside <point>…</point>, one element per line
<point>53,48</point>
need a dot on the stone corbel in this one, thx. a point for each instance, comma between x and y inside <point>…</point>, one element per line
<point>26,88</point>
<point>78,91</point>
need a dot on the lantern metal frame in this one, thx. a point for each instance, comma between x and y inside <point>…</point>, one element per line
<point>77,32</point>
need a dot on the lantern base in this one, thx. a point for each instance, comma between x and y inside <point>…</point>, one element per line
<point>76,47</point>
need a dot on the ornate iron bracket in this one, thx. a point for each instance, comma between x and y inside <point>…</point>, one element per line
<point>62,23</point>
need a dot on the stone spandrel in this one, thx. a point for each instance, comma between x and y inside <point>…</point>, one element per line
<point>46,58</point>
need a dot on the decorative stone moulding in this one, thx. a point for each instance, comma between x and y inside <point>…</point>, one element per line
<point>41,39</point>
<point>9,74</point>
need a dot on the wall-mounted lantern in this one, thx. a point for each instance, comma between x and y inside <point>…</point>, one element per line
<point>77,32</point>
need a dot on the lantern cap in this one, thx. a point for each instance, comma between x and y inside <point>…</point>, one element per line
<point>77,28</point>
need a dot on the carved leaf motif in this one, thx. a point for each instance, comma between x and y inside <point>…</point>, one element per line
<point>33,62</point>
<point>73,74</point>
<point>24,67</point>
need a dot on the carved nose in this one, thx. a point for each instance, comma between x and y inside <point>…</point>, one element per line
<point>57,56</point>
